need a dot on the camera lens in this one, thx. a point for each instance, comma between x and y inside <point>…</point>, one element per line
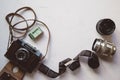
<point>22,54</point>
<point>104,47</point>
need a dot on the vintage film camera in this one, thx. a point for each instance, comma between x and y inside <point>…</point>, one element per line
<point>23,55</point>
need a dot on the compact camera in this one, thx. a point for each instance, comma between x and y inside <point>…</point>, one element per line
<point>23,55</point>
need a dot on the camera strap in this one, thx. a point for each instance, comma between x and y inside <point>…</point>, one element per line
<point>23,31</point>
<point>7,72</point>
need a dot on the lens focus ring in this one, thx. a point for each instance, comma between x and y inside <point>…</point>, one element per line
<point>22,54</point>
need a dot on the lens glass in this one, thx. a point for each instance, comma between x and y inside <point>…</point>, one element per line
<point>22,54</point>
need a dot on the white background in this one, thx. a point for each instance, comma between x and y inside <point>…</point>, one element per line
<point>73,28</point>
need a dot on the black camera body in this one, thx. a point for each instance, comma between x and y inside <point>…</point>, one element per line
<point>23,55</point>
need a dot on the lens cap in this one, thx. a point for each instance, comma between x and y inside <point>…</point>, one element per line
<point>105,27</point>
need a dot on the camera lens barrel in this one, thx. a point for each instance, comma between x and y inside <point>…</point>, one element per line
<point>22,54</point>
<point>105,26</point>
<point>104,47</point>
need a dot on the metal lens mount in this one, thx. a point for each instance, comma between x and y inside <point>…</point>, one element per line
<point>104,47</point>
<point>22,54</point>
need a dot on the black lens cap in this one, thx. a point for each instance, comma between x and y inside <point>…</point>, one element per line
<point>105,26</point>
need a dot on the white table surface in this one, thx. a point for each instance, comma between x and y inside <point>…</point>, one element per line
<point>72,24</point>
